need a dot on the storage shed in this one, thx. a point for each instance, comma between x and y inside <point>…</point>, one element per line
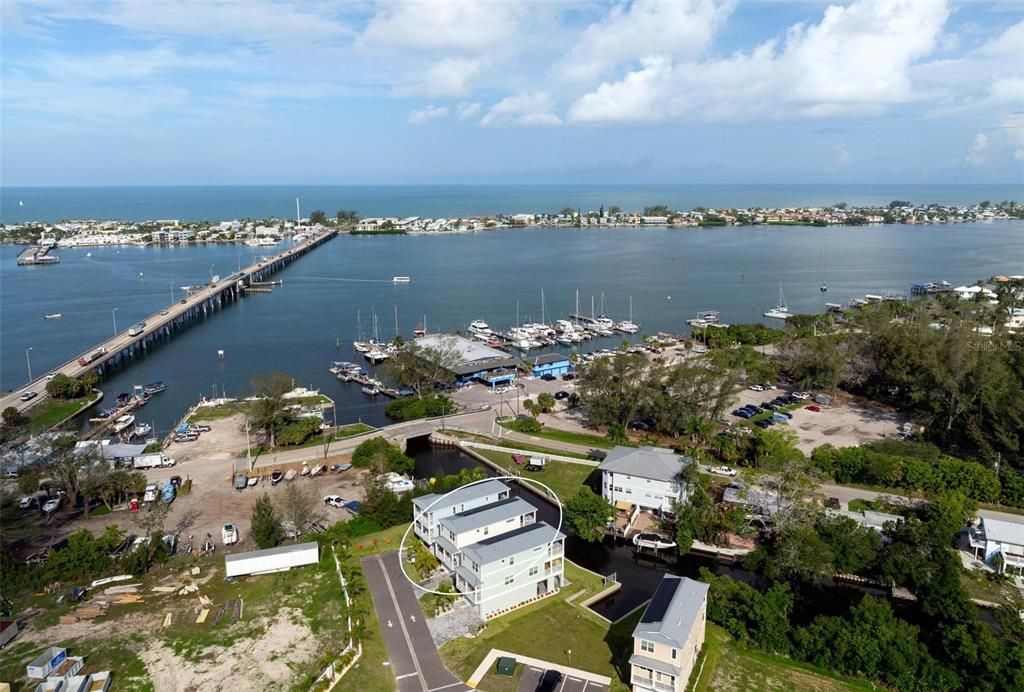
<point>279,559</point>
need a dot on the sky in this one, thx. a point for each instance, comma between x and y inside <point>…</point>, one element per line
<point>693,91</point>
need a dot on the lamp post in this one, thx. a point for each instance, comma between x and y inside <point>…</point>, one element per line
<point>28,360</point>
<point>113,315</point>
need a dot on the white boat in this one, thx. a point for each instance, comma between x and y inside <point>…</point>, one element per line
<point>52,316</point>
<point>479,328</point>
<point>361,346</point>
<point>371,391</point>
<point>703,319</point>
<point>627,327</point>
<point>289,474</point>
<point>376,355</point>
<point>780,311</point>
<point>142,429</point>
<point>123,423</point>
<point>398,484</point>
<point>401,279</point>
<point>652,540</point>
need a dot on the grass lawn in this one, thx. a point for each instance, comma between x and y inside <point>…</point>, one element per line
<point>571,437</point>
<point>728,665</point>
<point>343,432</point>
<point>564,477</point>
<point>53,411</point>
<point>380,542</point>
<point>548,630</point>
<point>988,586</point>
<point>218,412</point>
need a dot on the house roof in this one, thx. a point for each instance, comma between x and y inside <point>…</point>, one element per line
<point>487,514</point>
<point>549,358</point>
<point>472,356</point>
<point>868,518</point>
<point>656,463</point>
<point>1002,531</point>
<point>512,543</point>
<point>466,493</point>
<point>653,664</point>
<point>672,611</point>
<point>279,550</point>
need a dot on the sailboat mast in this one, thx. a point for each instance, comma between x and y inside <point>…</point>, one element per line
<point>542,320</point>
<point>396,321</point>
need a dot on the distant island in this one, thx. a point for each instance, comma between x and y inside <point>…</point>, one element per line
<point>268,232</point>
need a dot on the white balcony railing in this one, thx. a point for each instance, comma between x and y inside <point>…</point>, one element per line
<point>651,684</point>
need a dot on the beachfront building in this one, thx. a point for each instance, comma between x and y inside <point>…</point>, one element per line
<point>501,573</point>
<point>649,478</point>
<point>669,636</point>
<point>429,510</point>
<point>554,364</point>
<point>999,542</point>
<point>474,361</point>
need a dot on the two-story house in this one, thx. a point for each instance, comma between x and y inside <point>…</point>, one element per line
<point>499,573</point>
<point>648,477</point>
<point>429,510</point>
<point>475,525</point>
<point>669,636</point>
<point>999,538</point>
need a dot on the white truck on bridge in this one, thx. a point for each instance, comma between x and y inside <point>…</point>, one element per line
<point>152,461</point>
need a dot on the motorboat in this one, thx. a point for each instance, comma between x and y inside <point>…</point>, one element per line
<point>401,279</point>
<point>252,481</point>
<point>376,355</point>
<point>479,328</point>
<point>288,475</point>
<point>627,327</point>
<point>361,346</point>
<point>371,391</point>
<point>653,540</point>
<point>52,316</point>
<point>305,470</point>
<point>317,470</point>
<point>398,484</point>
<point>142,429</point>
<point>122,424</point>
<point>780,311</point>
<point>154,388</point>
<point>276,477</point>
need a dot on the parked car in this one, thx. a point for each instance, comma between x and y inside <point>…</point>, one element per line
<point>814,407</point>
<point>568,377</point>
<point>76,594</point>
<point>28,396</point>
<point>723,471</point>
<point>28,502</point>
<point>562,395</point>
<point>639,425</point>
<point>550,681</point>
<point>742,413</point>
<point>764,423</point>
<point>782,414</point>
<point>801,396</point>
<point>334,500</point>
<point>353,506</point>
<point>768,406</point>
<point>832,503</point>
<point>756,388</point>
<point>51,506</point>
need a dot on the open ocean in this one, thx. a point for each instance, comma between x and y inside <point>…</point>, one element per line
<point>190,203</point>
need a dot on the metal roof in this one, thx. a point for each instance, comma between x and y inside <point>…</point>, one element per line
<point>670,616</point>
<point>656,463</point>
<point>465,493</point>
<point>1002,531</point>
<point>653,664</point>
<point>548,358</point>
<point>279,550</point>
<point>512,543</point>
<point>486,515</point>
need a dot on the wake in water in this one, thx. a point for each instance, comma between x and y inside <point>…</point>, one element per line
<point>335,278</point>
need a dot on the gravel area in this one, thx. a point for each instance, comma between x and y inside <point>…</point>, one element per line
<point>461,619</point>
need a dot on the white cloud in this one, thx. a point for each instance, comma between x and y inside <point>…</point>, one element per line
<point>428,113</point>
<point>976,152</point>
<point>523,109</point>
<point>842,159</point>
<point>854,61</point>
<point>682,29</point>
<point>131,64</point>
<point>467,110</point>
<point>447,77</point>
<point>461,25</point>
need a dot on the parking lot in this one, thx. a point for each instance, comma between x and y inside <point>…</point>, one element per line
<point>531,682</point>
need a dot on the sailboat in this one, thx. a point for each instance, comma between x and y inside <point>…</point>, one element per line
<point>627,326</point>
<point>780,311</point>
<point>421,328</point>
<point>824,285</point>
<point>360,345</point>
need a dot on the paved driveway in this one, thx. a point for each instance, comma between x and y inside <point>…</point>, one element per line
<point>532,675</point>
<point>414,659</point>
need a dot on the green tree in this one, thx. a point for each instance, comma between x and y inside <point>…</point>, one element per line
<point>268,412</point>
<point>587,513</point>
<point>299,505</point>
<point>61,386</point>
<point>614,211</point>
<point>617,434</point>
<point>613,389</point>
<point>546,401</point>
<point>266,528</point>
<point>382,505</point>
<point>423,368</point>
<point>318,217</point>
<point>380,456</point>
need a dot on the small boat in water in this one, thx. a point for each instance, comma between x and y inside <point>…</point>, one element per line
<point>142,429</point>
<point>653,540</point>
<point>123,399</point>
<point>371,391</point>
<point>122,424</point>
<point>780,311</point>
<point>52,316</point>
<point>400,279</point>
<point>154,388</point>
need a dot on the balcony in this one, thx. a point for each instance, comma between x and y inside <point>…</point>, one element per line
<point>650,684</point>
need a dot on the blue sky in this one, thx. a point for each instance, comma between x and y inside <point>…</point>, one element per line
<point>701,91</point>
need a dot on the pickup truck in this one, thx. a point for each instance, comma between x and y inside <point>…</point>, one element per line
<point>151,493</point>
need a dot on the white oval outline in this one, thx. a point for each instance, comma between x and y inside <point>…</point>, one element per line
<point>542,556</point>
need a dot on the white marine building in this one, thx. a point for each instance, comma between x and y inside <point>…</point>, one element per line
<point>500,556</point>
<point>650,478</point>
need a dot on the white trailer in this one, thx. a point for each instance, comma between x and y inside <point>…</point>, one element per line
<point>279,559</point>
<point>152,461</point>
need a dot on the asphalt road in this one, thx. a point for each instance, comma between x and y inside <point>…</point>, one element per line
<point>530,681</point>
<point>416,665</point>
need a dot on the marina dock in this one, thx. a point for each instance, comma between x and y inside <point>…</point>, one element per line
<point>205,302</point>
<point>37,254</point>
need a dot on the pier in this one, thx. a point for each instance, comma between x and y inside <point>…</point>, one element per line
<point>37,254</point>
<point>124,346</point>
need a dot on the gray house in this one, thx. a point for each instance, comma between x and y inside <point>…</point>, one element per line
<point>429,510</point>
<point>669,636</point>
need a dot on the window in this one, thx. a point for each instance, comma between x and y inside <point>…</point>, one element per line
<point>534,570</point>
<point>487,530</point>
<point>646,646</point>
<point>512,560</point>
<point>675,653</point>
<point>509,579</point>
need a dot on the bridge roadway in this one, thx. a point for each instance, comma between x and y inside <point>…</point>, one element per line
<point>163,322</point>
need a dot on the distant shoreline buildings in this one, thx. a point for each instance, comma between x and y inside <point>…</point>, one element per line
<point>269,232</point>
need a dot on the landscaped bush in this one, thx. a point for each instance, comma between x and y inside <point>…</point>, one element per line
<point>412,408</point>
<point>526,424</point>
<point>379,454</point>
<point>298,432</point>
<point>915,466</point>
